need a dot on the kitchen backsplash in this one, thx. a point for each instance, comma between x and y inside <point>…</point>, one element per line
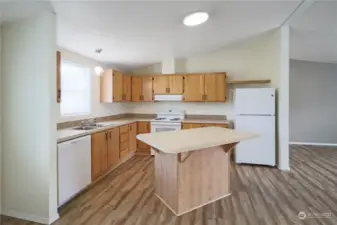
<point>74,123</point>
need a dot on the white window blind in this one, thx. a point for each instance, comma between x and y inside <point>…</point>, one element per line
<point>75,89</point>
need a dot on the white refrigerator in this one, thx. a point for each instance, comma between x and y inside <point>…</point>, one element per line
<point>255,112</point>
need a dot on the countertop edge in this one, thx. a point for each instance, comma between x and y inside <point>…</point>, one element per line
<point>101,129</point>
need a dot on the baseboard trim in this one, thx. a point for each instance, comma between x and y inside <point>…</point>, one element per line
<point>26,216</point>
<point>312,143</point>
<point>53,218</point>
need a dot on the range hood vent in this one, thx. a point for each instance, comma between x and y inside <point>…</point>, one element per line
<point>168,98</point>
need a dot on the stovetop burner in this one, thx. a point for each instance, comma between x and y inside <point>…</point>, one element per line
<point>160,118</point>
<point>175,119</point>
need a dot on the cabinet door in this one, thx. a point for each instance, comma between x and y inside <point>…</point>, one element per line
<point>113,147</point>
<point>117,86</point>
<point>136,88</point>
<point>187,126</point>
<point>215,88</point>
<point>147,89</point>
<point>106,86</point>
<point>142,128</point>
<point>98,154</point>
<point>160,84</point>
<point>221,125</point>
<point>132,137</point>
<point>127,88</point>
<point>175,84</point>
<point>58,76</point>
<point>193,88</point>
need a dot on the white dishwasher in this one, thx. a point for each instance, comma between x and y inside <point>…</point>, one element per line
<point>74,167</point>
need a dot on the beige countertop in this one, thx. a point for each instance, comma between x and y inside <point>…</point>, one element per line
<point>68,133</point>
<point>193,139</point>
<point>206,121</point>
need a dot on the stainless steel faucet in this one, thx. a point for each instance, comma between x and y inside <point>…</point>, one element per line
<point>88,122</point>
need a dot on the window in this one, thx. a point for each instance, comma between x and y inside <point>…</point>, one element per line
<point>75,89</point>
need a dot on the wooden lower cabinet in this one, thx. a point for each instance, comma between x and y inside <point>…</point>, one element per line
<point>198,125</point>
<point>143,128</point>
<point>123,141</point>
<point>99,154</point>
<point>113,147</point>
<point>110,147</point>
<point>132,137</point>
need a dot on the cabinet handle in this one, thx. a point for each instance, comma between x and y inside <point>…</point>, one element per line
<point>130,127</point>
<point>106,136</point>
<point>167,90</point>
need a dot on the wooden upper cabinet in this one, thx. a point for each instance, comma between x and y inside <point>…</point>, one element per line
<point>175,84</point>
<point>117,86</point>
<point>215,88</point>
<point>113,147</point>
<point>126,88</point>
<point>106,88</point>
<point>58,76</point>
<point>147,91</point>
<point>194,88</point>
<point>137,88</point>
<point>168,84</point>
<point>142,88</point>
<point>160,84</point>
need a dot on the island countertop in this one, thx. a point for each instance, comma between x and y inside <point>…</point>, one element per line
<point>174,142</point>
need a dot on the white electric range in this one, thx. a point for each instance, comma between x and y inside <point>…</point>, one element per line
<point>167,121</point>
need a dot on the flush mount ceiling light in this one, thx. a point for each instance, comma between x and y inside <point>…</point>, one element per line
<point>195,19</point>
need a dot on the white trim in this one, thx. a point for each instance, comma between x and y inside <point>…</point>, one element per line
<point>53,218</point>
<point>312,143</point>
<point>283,169</point>
<point>25,216</point>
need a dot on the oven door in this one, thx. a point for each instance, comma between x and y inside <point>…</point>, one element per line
<point>162,127</point>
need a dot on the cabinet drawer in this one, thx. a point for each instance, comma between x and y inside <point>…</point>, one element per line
<point>123,153</point>
<point>124,146</point>
<point>124,137</point>
<point>124,129</point>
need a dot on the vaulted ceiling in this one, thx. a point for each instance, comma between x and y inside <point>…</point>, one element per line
<point>137,33</point>
<point>314,33</point>
<point>134,33</point>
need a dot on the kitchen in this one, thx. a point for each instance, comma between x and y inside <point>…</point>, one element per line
<point>114,169</point>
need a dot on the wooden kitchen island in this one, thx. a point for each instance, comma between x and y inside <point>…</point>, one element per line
<point>192,167</point>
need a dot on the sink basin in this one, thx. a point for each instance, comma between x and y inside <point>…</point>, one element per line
<point>87,127</point>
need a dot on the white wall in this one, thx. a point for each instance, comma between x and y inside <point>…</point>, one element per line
<point>254,59</point>
<point>313,105</point>
<point>98,109</point>
<point>0,121</point>
<point>263,57</point>
<point>28,128</point>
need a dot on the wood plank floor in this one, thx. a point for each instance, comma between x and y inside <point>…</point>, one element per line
<point>260,195</point>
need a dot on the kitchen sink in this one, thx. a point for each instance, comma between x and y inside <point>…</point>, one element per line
<point>87,127</point>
